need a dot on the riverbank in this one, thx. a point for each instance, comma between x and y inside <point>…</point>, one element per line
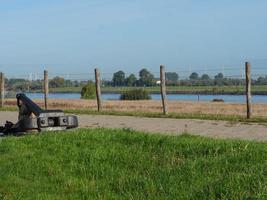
<point>153,106</point>
<point>170,97</point>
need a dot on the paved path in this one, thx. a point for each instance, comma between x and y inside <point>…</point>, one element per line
<point>209,128</point>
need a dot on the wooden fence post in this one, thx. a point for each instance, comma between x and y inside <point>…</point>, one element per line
<point>248,90</point>
<point>163,90</point>
<point>46,88</point>
<point>2,89</point>
<point>98,89</point>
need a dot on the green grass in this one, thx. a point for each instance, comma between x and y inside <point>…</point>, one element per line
<point>9,108</point>
<point>123,164</point>
<point>215,117</point>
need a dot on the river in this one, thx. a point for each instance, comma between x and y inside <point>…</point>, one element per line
<point>172,97</point>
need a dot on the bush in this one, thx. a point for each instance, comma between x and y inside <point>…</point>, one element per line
<point>135,94</point>
<point>89,91</point>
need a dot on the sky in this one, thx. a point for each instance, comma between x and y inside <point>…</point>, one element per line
<point>75,36</point>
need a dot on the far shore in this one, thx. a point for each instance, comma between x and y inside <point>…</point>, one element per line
<point>201,90</point>
<point>169,92</point>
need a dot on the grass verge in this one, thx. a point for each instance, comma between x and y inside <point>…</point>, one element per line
<point>230,118</point>
<point>123,164</point>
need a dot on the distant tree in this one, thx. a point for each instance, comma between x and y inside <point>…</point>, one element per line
<point>106,83</point>
<point>172,76</point>
<point>57,82</point>
<point>205,77</point>
<point>205,80</point>
<point>218,79</point>
<point>15,80</point>
<point>146,78</point>
<point>118,78</point>
<point>262,81</point>
<point>219,76</point>
<point>131,80</point>
<point>89,91</point>
<point>194,76</point>
<point>75,83</point>
<point>68,83</point>
<point>36,85</point>
<point>16,84</point>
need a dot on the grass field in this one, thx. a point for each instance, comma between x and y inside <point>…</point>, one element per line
<point>123,164</point>
<point>153,108</point>
<point>238,117</point>
<point>257,89</point>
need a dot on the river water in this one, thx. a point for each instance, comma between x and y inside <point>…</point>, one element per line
<point>172,97</point>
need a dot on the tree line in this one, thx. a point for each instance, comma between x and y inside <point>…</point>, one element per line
<point>144,79</point>
<point>14,84</point>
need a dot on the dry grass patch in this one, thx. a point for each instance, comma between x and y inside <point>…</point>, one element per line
<point>155,106</point>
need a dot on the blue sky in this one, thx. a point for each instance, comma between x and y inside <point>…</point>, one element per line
<point>74,36</point>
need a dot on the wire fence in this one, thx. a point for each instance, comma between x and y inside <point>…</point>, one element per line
<point>213,81</point>
<point>221,84</point>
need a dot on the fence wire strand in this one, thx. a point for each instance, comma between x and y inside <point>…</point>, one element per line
<point>182,80</point>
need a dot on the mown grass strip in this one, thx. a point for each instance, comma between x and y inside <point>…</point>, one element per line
<point>9,108</point>
<point>123,164</point>
<point>230,118</point>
